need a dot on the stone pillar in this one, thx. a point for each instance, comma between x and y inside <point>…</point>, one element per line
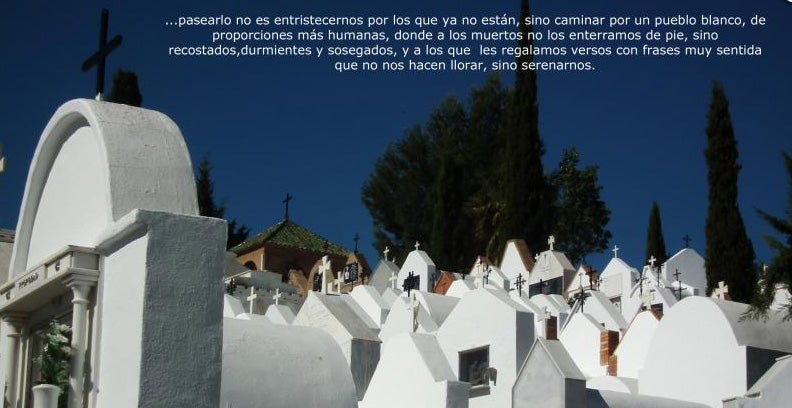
<point>80,281</point>
<point>15,323</point>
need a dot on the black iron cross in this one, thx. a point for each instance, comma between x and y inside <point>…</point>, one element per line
<point>679,285</point>
<point>640,281</point>
<point>409,281</point>
<point>581,297</point>
<point>98,58</point>
<point>520,282</point>
<point>357,238</point>
<point>687,240</point>
<point>286,203</point>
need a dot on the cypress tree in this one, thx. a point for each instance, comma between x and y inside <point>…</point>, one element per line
<point>125,89</point>
<point>208,208</point>
<point>450,225</point>
<point>729,255</point>
<point>527,196</point>
<point>655,243</point>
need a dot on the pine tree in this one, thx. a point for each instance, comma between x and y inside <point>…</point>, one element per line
<point>125,89</point>
<point>527,196</point>
<point>399,193</point>
<point>780,269</point>
<point>729,255</point>
<point>655,243</point>
<point>208,208</point>
<point>581,215</point>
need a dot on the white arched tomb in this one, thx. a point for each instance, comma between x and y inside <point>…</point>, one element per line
<point>703,351</point>
<point>109,241</point>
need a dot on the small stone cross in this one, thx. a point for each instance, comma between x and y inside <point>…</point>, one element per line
<point>551,241</point>
<point>417,245</point>
<point>652,261</point>
<point>615,251</point>
<point>722,291</point>
<point>386,252</point>
<point>393,280</point>
<point>277,296</point>
<point>324,269</point>
<point>339,281</point>
<point>479,273</point>
<point>252,297</point>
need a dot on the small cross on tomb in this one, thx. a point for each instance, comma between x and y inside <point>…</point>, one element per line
<point>652,261</point>
<point>252,297</point>
<point>385,253</point>
<point>98,58</point>
<point>551,242</point>
<point>722,291</point>
<point>687,240</point>
<point>393,280</point>
<point>339,281</point>
<point>581,297</point>
<point>277,296</point>
<point>520,282</point>
<point>324,269</point>
<point>356,239</point>
<point>615,251</point>
<point>417,245</point>
<point>479,273</point>
<point>640,281</point>
<point>679,285</point>
<point>286,205</point>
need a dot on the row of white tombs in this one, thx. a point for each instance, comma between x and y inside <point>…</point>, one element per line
<point>531,332</point>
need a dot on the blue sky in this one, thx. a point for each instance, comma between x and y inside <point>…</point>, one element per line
<point>272,126</point>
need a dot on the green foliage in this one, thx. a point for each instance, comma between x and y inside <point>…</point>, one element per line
<point>729,255</point>
<point>399,193</point>
<point>581,214</point>
<point>780,269</point>
<point>471,179</point>
<point>54,363</point>
<point>208,208</point>
<point>125,89</point>
<point>655,243</point>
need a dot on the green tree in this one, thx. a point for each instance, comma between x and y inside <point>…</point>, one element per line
<point>655,243</point>
<point>582,216</point>
<point>125,89</point>
<point>780,269</point>
<point>209,208</point>
<point>526,195</point>
<point>729,255</point>
<point>399,193</point>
